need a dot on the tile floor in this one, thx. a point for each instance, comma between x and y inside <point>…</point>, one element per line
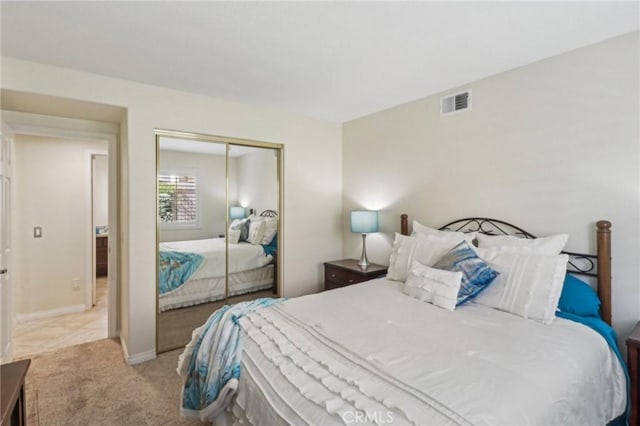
<point>52,333</point>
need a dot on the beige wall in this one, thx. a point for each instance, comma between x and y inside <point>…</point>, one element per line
<point>100,190</point>
<point>258,180</point>
<point>552,147</point>
<point>312,177</point>
<point>52,190</point>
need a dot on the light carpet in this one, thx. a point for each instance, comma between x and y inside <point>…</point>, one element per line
<point>91,384</point>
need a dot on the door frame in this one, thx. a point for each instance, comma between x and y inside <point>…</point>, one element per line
<point>90,271</point>
<point>7,309</point>
<point>113,286</point>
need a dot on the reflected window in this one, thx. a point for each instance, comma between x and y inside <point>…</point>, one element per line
<point>178,198</point>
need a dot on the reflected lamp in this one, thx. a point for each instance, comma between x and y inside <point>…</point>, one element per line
<point>364,222</point>
<point>237,212</point>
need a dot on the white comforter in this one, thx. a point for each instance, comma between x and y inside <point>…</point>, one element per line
<point>242,256</point>
<point>322,359</point>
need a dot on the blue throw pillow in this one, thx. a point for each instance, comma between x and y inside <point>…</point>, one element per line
<point>476,273</point>
<point>578,298</point>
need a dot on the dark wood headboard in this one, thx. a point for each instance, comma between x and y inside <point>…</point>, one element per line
<point>593,265</point>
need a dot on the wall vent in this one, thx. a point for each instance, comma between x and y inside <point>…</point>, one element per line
<point>457,102</point>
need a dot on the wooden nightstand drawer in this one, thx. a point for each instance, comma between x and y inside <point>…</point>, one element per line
<point>343,277</point>
<point>341,273</point>
<point>633,362</point>
<point>330,285</point>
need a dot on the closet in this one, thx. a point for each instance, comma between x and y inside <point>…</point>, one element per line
<point>219,228</point>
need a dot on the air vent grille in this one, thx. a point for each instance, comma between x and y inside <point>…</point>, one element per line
<point>455,103</point>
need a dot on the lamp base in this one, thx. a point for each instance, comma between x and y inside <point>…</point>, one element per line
<point>364,262</point>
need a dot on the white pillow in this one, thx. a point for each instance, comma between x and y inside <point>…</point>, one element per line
<point>529,284</point>
<point>233,235</point>
<point>270,229</point>
<point>426,250</point>
<point>420,230</point>
<point>543,245</point>
<point>434,286</point>
<point>236,223</point>
<point>256,218</point>
<point>256,232</point>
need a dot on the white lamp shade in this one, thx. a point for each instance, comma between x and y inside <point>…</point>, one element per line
<point>364,221</point>
<point>237,212</point>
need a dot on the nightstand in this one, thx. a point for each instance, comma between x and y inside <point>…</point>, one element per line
<point>14,407</point>
<point>102,255</point>
<point>633,350</point>
<point>341,273</point>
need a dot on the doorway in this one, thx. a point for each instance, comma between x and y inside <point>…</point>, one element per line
<point>6,284</point>
<point>63,194</point>
<point>48,116</point>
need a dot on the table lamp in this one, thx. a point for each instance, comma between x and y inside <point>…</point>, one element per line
<point>237,212</point>
<point>364,222</point>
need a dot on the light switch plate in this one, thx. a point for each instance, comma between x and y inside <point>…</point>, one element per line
<point>37,232</point>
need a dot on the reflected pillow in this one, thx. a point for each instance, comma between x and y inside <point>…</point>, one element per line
<point>243,226</point>
<point>476,273</point>
<point>234,236</point>
<point>270,229</point>
<point>434,286</point>
<point>256,232</point>
<point>272,247</point>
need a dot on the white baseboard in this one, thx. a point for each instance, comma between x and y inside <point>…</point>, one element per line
<point>50,313</point>
<point>136,358</point>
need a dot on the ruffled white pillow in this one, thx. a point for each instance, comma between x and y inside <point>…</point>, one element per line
<point>434,286</point>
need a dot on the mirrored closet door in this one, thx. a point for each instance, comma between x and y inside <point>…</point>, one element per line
<point>218,228</point>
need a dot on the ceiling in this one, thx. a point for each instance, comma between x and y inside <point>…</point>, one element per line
<point>329,60</point>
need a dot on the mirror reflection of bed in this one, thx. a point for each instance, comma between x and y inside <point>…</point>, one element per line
<point>217,230</point>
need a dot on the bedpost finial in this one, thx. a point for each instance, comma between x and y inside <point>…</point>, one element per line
<point>603,225</point>
<point>404,224</point>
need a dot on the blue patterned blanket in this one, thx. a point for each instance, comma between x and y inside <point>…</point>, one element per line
<point>176,268</point>
<point>210,363</point>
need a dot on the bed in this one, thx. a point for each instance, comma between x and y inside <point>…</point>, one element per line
<point>194,272</point>
<point>370,354</point>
